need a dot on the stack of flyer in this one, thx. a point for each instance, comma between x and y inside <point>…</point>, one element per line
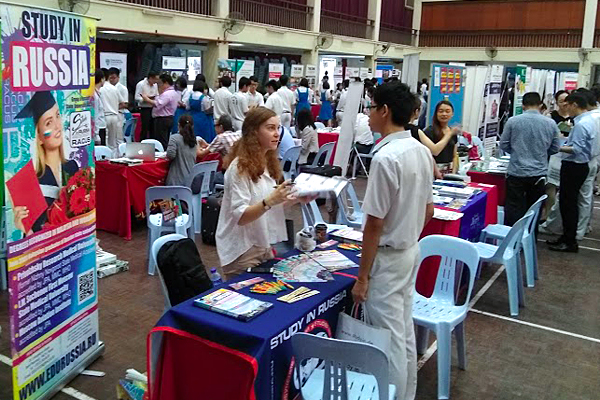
<point>233,304</point>
<point>347,234</point>
<point>107,264</point>
<point>317,185</point>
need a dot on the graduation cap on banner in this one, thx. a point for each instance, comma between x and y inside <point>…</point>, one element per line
<point>39,103</point>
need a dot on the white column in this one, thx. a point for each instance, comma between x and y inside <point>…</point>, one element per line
<point>220,8</point>
<point>214,52</point>
<point>416,21</point>
<point>585,74</point>
<point>375,16</point>
<point>313,22</point>
<point>589,24</point>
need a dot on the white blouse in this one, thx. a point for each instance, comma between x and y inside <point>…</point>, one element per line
<point>233,240</point>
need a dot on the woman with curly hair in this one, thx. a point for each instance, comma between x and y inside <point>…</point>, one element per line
<point>251,217</point>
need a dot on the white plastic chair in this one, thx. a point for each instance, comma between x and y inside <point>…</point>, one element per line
<point>292,154</point>
<point>122,149</point>
<point>102,153</point>
<point>207,170</point>
<point>156,228</point>
<point>345,217</point>
<point>326,149</point>
<point>508,254</point>
<point>157,145</point>
<point>156,246</point>
<point>337,355</point>
<point>529,241</point>
<point>439,313</point>
<point>363,157</point>
<point>320,125</point>
<point>129,129</point>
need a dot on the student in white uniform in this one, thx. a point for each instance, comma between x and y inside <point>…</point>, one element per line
<point>238,104</point>
<point>221,98</point>
<point>398,203</point>
<point>339,111</point>
<point>112,100</point>
<point>274,102</point>
<point>255,99</point>
<point>288,98</point>
<point>113,78</point>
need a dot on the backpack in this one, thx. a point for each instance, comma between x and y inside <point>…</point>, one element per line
<point>182,270</point>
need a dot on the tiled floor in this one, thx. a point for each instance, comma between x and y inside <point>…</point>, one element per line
<point>507,359</point>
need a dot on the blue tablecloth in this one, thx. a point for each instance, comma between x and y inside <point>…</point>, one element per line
<point>473,220</point>
<point>266,337</point>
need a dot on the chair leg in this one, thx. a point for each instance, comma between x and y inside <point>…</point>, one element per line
<point>479,268</point>
<point>444,354</point>
<point>197,209</point>
<point>422,339</point>
<point>459,332</point>
<point>529,262</point>
<point>153,234</point>
<point>520,283</point>
<point>513,290</point>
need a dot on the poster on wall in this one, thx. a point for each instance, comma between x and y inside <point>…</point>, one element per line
<point>352,72</point>
<point>383,72</point>
<point>364,73</point>
<point>47,127</point>
<point>297,71</point>
<point>520,88</point>
<point>491,108</point>
<point>447,84</point>
<point>275,70</point>
<point>311,75</point>
<point>115,60</point>
<point>194,67</point>
<point>235,69</point>
<point>570,80</point>
<point>338,75</point>
<point>170,63</point>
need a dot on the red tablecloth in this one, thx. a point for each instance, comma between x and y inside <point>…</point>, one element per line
<point>315,109</point>
<point>491,179</point>
<point>328,137</point>
<point>138,127</point>
<point>121,188</point>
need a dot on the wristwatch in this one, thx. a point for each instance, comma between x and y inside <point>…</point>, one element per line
<point>265,205</point>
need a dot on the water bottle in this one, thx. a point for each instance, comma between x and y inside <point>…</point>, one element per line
<point>215,278</point>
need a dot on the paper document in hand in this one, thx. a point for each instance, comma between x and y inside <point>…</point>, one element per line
<point>311,184</point>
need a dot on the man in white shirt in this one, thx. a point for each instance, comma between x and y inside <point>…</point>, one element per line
<point>112,100</point>
<point>99,120</point>
<point>113,78</point>
<point>339,111</point>
<point>255,99</point>
<point>148,87</point>
<point>397,205</point>
<point>289,99</point>
<point>274,102</point>
<point>238,104</point>
<point>221,98</point>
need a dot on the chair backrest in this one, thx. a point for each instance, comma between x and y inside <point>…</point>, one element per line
<point>102,153</point>
<point>326,149</point>
<point>157,145</point>
<point>292,154</point>
<point>122,149</point>
<point>129,129</point>
<point>464,169</point>
<point>156,246</point>
<point>320,125</point>
<point>312,214</point>
<point>206,169</point>
<point>451,250</point>
<point>184,194</point>
<point>512,242</point>
<point>337,355</point>
<point>351,194</point>
<point>535,208</point>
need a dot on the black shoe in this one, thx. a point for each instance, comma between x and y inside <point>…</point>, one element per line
<point>565,248</point>
<point>555,242</point>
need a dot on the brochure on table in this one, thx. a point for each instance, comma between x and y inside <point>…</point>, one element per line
<point>51,249</point>
<point>447,83</point>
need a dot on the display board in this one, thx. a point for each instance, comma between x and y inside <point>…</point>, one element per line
<point>493,91</point>
<point>382,72</point>
<point>235,69</point>
<point>311,75</point>
<point>447,83</point>
<point>520,89</point>
<point>410,71</point>
<point>47,128</point>
<point>352,72</point>
<point>275,70</point>
<point>115,60</point>
<point>297,71</point>
<point>346,140</point>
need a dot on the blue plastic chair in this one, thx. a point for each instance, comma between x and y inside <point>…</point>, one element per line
<point>102,153</point>
<point>439,312</point>
<point>529,241</point>
<point>206,170</point>
<point>156,228</point>
<point>508,253</point>
<point>354,218</point>
<point>311,214</point>
<point>157,145</point>
<point>326,149</point>
<point>337,355</point>
<point>156,246</point>
<point>292,154</point>
<point>363,157</point>
<point>129,129</point>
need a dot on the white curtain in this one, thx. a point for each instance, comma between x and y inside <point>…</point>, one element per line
<point>473,105</point>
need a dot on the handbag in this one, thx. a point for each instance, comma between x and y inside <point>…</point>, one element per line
<point>356,328</point>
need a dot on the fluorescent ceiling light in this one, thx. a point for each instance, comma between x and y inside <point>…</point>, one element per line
<point>113,32</point>
<point>236,44</point>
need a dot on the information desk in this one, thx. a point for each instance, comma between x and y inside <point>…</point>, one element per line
<point>498,180</point>
<point>121,189</point>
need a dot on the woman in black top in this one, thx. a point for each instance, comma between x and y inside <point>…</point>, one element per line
<point>442,139</point>
<point>561,115</point>
<point>418,134</point>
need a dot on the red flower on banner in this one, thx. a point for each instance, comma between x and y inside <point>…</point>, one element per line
<point>92,200</point>
<point>77,203</point>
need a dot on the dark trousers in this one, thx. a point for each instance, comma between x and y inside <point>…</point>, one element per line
<point>572,176</point>
<point>162,129</point>
<point>147,131</point>
<point>102,134</point>
<point>521,193</point>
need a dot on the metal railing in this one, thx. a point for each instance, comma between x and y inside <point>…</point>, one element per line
<point>345,25</point>
<point>556,39</point>
<point>202,7</point>
<point>274,12</point>
<point>397,35</point>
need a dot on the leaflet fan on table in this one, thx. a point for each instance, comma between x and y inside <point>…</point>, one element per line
<point>233,24</point>
<point>75,6</point>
